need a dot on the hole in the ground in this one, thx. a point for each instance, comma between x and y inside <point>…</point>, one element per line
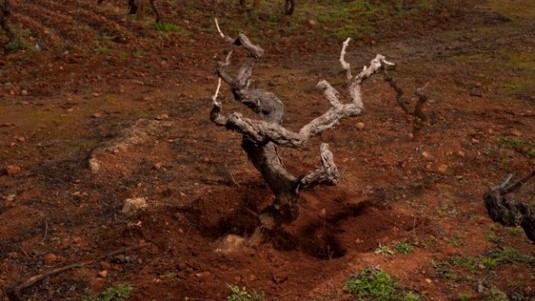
<point>322,245</point>
<point>327,248</point>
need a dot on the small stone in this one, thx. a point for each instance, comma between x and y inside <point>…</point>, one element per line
<point>442,168</point>
<point>134,205</point>
<point>20,139</point>
<point>475,141</point>
<point>279,278</point>
<point>461,154</point>
<point>103,273</point>
<point>312,22</point>
<point>158,166</point>
<point>96,115</point>
<point>516,133</point>
<point>162,117</point>
<point>230,243</point>
<point>12,170</point>
<point>105,265</point>
<point>204,276</point>
<point>50,258</point>
<point>428,280</point>
<point>426,155</point>
<point>24,93</point>
<point>96,95</point>
<point>360,125</point>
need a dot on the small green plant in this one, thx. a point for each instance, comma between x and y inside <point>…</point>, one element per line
<point>384,250</point>
<point>464,297</point>
<point>456,240</point>
<point>491,235</point>
<point>510,255</point>
<point>443,269</point>
<point>119,292</point>
<point>494,294</point>
<point>433,243</point>
<point>242,294</point>
<point>489,262</point>
<point>16,44</point>
<point>511,142</point>
<point>515,231</point>
<point>467,263</point>
<point>169,27</point>
<point>410,296</point>
<point>375,284</point>
<point>403,248</point>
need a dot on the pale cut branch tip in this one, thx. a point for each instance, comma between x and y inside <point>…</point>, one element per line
<point>215,102</point>
<point>345,65</point>
<point>218,28</point>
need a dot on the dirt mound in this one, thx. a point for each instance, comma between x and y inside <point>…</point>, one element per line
<point>297,259</point>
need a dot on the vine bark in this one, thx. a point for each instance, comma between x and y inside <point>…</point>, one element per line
<point>507,211</point>
<point>262,137</point>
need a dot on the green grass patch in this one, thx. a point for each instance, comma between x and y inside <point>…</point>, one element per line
<point>383,250</point>
<point>403,248</point>
<point>242,294</point>
<point>119,292</point>
<point>169,27</point>
<point>510,255</point>
<point>456,240</point>
<point>375,284</point>
<point>511,142</point>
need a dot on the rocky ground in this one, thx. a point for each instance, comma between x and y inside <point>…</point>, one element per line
<point>113,110</point>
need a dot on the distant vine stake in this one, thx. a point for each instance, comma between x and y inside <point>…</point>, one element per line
<point>5,14</point>
<point>137,7</point>
<point>262,137</point>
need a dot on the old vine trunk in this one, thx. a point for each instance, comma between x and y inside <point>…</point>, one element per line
<point>261,138</point>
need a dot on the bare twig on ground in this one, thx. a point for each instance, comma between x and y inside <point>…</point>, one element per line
<point>46,233</point>
<point>14,293</point>
<point>508,212</point>
<point>420,119</point>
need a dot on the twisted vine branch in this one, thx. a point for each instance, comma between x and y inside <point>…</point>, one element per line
<point>262,137</point>
<point>507,211</point>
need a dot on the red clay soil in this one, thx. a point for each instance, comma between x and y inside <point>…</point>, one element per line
<point>99,72</point>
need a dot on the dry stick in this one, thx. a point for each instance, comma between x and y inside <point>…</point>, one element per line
<point>14,293</point>
<point>345,65</point>
<point>46,233</point>
<point>420,118</point>
<point>156,12</point>
<point>515,186</point>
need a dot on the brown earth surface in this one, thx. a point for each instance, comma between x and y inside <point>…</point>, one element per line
<point>110,88</point>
